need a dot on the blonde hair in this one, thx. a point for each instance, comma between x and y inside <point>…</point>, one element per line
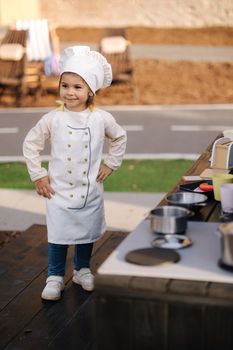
<point>90,102</point>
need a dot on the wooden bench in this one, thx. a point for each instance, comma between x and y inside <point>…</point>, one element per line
<point>121,62</point>
<point>122,66</point>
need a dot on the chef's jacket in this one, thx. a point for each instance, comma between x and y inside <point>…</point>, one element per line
<point>75,214</point>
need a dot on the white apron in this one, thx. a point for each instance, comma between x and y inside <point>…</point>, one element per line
<point>75,214</point>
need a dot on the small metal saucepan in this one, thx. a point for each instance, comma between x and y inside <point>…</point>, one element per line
<point>188,200</point>
<point>226,259</point>
<point>169,219</point>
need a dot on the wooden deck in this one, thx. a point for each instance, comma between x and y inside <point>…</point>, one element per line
<point>27,322</point>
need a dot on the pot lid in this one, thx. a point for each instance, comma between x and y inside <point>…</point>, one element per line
<point>152,256</point>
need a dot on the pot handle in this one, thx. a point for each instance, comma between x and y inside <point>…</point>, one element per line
<point>191,213</point>
<point>200,204</point>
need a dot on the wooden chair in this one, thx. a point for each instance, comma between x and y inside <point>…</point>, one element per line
<point>12,68</point>
<point>116,48</point>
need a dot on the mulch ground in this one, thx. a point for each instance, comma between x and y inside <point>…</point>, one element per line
<point>155,81</point>
<point>213,36</point>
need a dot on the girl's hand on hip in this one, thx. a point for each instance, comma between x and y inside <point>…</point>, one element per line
<point>104,172</point>
<point>43,187</point>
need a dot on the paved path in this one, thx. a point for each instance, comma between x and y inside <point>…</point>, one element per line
<point>154,132</point>
<point>174,52</point>
<point>171,52</point>
<point>19,209</point>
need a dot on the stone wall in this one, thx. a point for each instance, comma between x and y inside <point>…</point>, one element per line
<point>151,13</point>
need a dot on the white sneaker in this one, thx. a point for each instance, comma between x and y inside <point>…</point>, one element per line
<point>54,287</point>
<point>85,278</point>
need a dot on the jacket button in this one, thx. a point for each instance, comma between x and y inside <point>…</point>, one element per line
<point>85,159</point>
<point>69,158</point>
<point>71,195</point>
<point>70,132</point>
<point>84,173</point>
<point>86,133</point>
<point>69,171</point>
<point>69,145</point>
<point>84,184</point>
<point>71,184</point>
<point>82,196</point>
<point>86,146</point>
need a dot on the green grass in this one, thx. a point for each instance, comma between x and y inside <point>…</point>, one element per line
<point>147,175</point>
<point>133,176</point>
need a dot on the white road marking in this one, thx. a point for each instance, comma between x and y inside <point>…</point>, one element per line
<point>133,127</point>
<point>200,127</point>
<point>152,156</point>
<point>9,130</point>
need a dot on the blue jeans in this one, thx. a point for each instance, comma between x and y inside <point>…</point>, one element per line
<point>57,257</point>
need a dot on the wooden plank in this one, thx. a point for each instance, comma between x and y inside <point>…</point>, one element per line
<point>19,312</point>
<point>80,332</point>
<point>25,319</point>
<point>218,328</point>
<point>184,327</point>
<point>15,251</point>
<point>18,264</point>
<point>16,315</point>
<point>52,319</point>
<point>114,323</point>
<point>21,275</point>
<point>148,325</point>
<point>189,288</point>
<point>221,291</point>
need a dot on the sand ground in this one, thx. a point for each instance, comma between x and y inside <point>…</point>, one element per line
<point>155,81</point>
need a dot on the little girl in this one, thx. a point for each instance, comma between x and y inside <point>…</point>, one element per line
<point>73,185</point>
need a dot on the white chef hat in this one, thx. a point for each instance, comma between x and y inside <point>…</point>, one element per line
<point>90,65</point>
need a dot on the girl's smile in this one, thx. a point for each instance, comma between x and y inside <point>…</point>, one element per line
<point>74,92</point>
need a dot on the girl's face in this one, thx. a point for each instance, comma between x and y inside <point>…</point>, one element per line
<point>74,92</point>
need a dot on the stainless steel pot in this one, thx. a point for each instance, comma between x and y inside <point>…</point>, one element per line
<point>169,219</point>
<point>226,231</point>
<point>193,201</point>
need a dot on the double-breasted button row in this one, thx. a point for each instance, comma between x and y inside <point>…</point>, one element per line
<point>70,172</point>
<point>69,159</point>
<point>85,160</point>
<point>83,184</point>
<point>82,196</point>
